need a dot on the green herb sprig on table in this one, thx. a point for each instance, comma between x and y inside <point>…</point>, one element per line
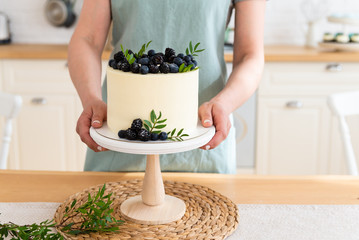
<point>156,123</point>
<point>95,215</point>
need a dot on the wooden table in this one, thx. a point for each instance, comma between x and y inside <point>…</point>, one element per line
<point>44,186</point>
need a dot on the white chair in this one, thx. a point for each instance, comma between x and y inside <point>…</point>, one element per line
<point>9,107</point>
<point>342,105</point>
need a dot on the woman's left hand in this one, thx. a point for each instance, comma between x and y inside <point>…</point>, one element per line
<point>215,113</point>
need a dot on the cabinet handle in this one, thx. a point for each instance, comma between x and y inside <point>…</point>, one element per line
<point>294,104</point>
<point>334,67</point>
<point>39,101</point>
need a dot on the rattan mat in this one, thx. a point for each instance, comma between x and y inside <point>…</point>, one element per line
<point>209,215</point>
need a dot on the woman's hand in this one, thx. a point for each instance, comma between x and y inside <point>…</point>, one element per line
<point>215,113</point>
<point>93,115</point>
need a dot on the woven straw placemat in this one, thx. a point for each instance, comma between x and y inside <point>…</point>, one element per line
<point>209,215</point>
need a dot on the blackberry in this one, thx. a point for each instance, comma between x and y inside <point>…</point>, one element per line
<point>136,124</point>
<point>173,68</point>
<point>171,58</point>
<point>143,135</point>
<point>122,134</point>
<point>169,52</point>
<point>131,134</point>
<point>144,55</point>
<point>130,52</point>
<point>164,68</point>
<point>178,61</point>
<point>135,67</point>
<point>144,69</point>
<point>151,52</point>
<point>157,59</point>
<point>187,58</point>
<point>118,65</point>
<point>119,56</point>
<point>125,66</point>
<point>153,68</point>
<point>180,55</point>
<point>144,61</point>
<point>163,136</point>
<point>154,136</point>
<point>114,65</point>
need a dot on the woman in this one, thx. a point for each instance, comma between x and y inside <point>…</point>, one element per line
<point>170,24</point>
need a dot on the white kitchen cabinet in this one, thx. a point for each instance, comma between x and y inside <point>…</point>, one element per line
<point>296,132</point>
<point>44,136</point>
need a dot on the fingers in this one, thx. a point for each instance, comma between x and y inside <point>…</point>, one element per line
<point>99,114</point>
<point>220,121</point>
<point>205,114</point>
<point>83,129</point>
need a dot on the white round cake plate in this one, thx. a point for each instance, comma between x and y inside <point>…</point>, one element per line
<point>106,138</point>
<point>153,206</point>
<point>340,46</point>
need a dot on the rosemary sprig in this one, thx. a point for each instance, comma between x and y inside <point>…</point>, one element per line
<point>95,215</point>
<point>193,51</point>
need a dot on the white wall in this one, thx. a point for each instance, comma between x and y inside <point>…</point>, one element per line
<point>285,22</point>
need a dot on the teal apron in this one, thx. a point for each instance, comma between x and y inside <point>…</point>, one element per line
<point>174,24</point>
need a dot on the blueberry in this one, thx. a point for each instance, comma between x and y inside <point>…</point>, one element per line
<point>131,134</point>
<point>135,68</point>
<point>111,62</point>
<point>144,55</point>
<point>130,52</point>
<point>144,61</point>
<point>136,124</point>
<point>173,68</point>
<point>122,134</point>
<point>154,136</point>
<point>195,63</point>
<point>151,52</point>
<point>180,55</point>
<point>189,55</point>
<point>187,58</point>
<point>163,136</point>
<point>143,135</point>
<point>144,69</point>
<point>178,61</point>
<point>191,63</point>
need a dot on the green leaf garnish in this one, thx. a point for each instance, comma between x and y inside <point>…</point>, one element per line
<point>143,49</point>
<point>194,50</point>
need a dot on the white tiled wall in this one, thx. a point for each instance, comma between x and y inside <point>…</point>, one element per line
<point>285,22</point>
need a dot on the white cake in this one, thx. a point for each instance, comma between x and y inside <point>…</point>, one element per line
<point>131,96</point>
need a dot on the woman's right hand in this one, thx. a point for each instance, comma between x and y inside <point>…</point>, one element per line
<point>94,114</point>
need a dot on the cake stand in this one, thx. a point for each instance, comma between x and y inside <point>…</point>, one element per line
<point>153,206</point>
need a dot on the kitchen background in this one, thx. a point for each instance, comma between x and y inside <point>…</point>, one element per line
<point>286,23</point>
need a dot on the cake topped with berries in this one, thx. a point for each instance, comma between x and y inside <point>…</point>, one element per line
<point>153,95</point>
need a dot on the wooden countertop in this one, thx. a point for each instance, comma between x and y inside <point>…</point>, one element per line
<point>272,53</point>
<point>43,186</point>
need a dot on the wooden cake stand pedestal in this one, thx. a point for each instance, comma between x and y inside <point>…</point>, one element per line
<point>153,206</point>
